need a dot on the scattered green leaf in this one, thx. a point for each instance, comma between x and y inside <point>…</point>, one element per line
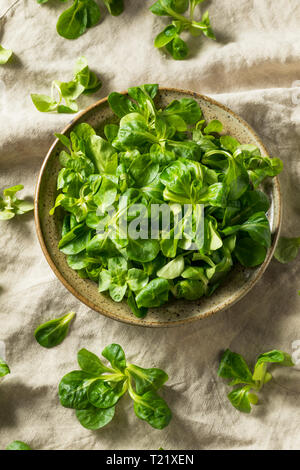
<point>234,367</point>
<point>4,369</point>
<point>287,249</point>
<point>18,445</point>
<point>64,94</point>
<point>84,14</point>
<point>10,205</point>
<point>53,332</point>
<point>170,36</point>
<point>95,390</point>
<point>5,55</point>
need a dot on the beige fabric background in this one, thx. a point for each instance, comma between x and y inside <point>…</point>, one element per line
<point>251,68</point>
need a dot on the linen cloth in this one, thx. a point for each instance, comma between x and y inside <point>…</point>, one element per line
<point>252,68</point>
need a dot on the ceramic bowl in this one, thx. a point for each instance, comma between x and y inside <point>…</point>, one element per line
<point>239,281</point>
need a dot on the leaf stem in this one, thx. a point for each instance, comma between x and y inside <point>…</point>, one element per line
<point>68,317</point>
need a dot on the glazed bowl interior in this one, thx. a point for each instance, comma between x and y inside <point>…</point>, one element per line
<point>238,282</point>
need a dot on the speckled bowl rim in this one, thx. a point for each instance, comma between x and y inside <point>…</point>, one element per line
<point>136,321</point>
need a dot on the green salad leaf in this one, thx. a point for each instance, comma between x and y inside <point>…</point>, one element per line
<point>95,418</point>
<point>53,332</point>
<point>4,369</point>
<point>115,7</point>
<point>64,94</point>
<point>287,249</point>
<point>84,14</point>
<point>46,1</point>
<point>5,55</point>
<point>234,367</point>
<point>18,445</point>
<point>95,390</point>
<point>166,163</point>
<point>170,36</point>
<point>10,205</point>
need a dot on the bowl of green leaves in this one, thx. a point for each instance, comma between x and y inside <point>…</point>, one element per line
<point>158,206</point>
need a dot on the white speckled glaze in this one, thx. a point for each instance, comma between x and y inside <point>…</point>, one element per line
<point>239,281</point>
